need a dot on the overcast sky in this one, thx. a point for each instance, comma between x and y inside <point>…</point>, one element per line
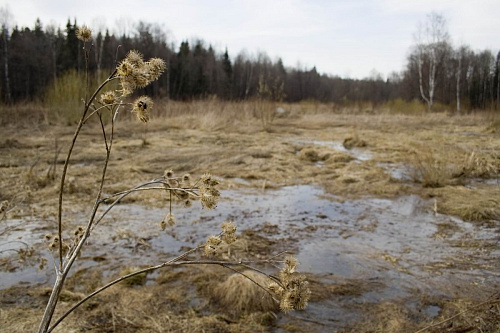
<point>349,38</point>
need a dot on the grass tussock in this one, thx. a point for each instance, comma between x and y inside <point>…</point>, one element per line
<point>480,204</point>
<point>452,166</point>
<point>436,168</point>
<point>238,295</point>
<point>314,154</point>
<point>354,142</point>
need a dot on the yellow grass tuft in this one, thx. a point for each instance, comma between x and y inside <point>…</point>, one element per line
<point>238,295</point>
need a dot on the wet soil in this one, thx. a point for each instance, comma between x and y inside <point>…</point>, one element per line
<point>361,247</point>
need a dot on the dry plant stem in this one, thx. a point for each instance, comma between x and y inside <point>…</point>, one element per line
<point>66,163</point>
<point>115,282</point>
<point>62,271</point>
<point>123,195</point>
<point>172,262</point>
<point>255,282</point>
<point>139,188</point>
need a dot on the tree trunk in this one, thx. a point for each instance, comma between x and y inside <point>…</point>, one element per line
<point>6,65</point>
<point>420,81</point>
<point>459,73</point>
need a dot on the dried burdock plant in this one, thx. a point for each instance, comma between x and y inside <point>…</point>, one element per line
<point>132,73</point>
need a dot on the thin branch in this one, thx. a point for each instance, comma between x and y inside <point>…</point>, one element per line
<point>255,282</point>
<point>190,191</point>
<point>172,262</point>
<point>118,200</point>
<point>66,164</point>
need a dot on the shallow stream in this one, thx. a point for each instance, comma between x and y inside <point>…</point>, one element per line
<point>400,246</point>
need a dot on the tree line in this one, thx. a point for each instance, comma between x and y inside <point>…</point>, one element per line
<point>33,58</point>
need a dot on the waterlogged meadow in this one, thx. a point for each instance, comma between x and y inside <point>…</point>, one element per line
<point>394,220</point>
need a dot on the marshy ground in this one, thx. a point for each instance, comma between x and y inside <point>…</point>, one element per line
<point>394,219</point>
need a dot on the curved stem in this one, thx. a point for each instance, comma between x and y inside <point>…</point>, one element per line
<point>66,164</point>
<point>62,271</point>
<point>173,262</point>
<point>135,189</point>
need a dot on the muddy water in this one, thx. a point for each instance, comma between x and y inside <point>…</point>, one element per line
<point>399,245</point>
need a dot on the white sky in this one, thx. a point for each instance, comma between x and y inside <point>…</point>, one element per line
<point>349,38</point>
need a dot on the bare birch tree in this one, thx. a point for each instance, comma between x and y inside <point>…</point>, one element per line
<point>432,40</point>
<point>5,22</point>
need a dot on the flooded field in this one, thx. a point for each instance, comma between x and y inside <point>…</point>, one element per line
<point>372,240</point>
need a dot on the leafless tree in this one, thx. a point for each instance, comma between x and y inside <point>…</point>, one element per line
<point>5,22</point>
<point>432,41</point>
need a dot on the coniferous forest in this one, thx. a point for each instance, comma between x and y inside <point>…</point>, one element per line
<point>33,58</point>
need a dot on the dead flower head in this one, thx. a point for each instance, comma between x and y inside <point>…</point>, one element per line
<point>163,225</point>
<point>229,230</point>
<point>168,173</point>
<point>209,197</point>
<point>3,206</point>
<point>292,287</point>
<point>228,227</point>
<point>209,194</point>
<point>290,264</point>
<point>155,67</point>
<point>212,245</point>
<point>134,73</point>
<point>135,58</point>
<point>141,108</point>
<point>84,33</point>
<point>109,97</point>
<point>170,219</point>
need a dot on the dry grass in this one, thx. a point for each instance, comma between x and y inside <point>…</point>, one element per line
<point>354,142</point>
<point>480,204</point>
<point>238,295</point>
<point>447,152</point>
<point>452,166</point>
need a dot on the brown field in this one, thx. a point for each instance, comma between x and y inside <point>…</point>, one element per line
<point>394,217</point>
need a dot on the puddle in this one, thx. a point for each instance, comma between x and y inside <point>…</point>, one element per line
<point>397,171</point>
<point>488,181</point>
<point>393,242</point>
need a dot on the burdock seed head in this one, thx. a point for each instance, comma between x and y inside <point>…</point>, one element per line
<point>135,58</point>
<point>125,68</point>
<point>109,97</point>
<point>155,67</point>
<point>168,173</point>
<point>163,225</point>
<point>208,200</point>
<point>84,33</point>
<point>211,246</point>
<point>275,288</point>
<point>3,206</point>
<point>141,108</point>
<point>228,227</point>
<point>290,264</point>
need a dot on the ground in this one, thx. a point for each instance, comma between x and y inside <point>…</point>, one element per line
<point>394,219</point>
